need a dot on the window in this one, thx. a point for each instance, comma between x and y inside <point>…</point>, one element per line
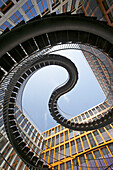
<point>68,165</point>
<point>71,133</point>
<point>30,130</point>
<point>104,134</point>
<point>17,114</point>
<point>86,146</point>
<point>91,161</point>
<point>56,154</point>
<point>51,156</point>
<point>53,141</point>
<point>55,129</point>
<point>110,130</point>
<point>49,132</point>
<point>40,6</point>
<point>87,115</point>
<point>111,148</point>
<point>49,140</point>
<point>79,146</point>
<point>106,104</point>
<point>62,167</point>
<point>107,156</point>
<point>76,120</point>
<point>66,136</point>
<point>62,127</point>
<point>91,139</point>
<point>80,119</point>
<point>37,137</point>
<point>34,134</point>
<point>46,133</point>
<point>57,139</point>
<point>27,126</point>
<point>76,133</point>
<point>81,132</point>
<point>75,164</point>
<point>67,149</point>
<point>73,149</point>
<point>62,152</point>
<point>102,106</point>
<point>58,128</point>
<point>23,123</point>
<point>45,143</point>
<point>61,137</point>
<point>83,116</point>
<point>99,160</point>
<point>52,132</point>
<point>94,110</point>
<point>83,163</point>
<point>46,158</point>
<point>90,112</point>
<point>97,136</point>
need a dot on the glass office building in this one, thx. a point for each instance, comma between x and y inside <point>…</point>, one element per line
<point>68,149</point>
<point>61,148</point>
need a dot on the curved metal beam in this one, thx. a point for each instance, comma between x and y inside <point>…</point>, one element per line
<point>51,24</point>
<point>12,92</point>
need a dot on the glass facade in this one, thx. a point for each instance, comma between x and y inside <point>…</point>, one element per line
<point>92,149</point>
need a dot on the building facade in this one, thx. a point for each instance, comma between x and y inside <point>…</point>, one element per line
<point>63,148</point>
<point>33,137</point>
<point>68,149</point>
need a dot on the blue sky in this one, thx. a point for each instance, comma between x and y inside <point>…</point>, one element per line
<point>86,94</point>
